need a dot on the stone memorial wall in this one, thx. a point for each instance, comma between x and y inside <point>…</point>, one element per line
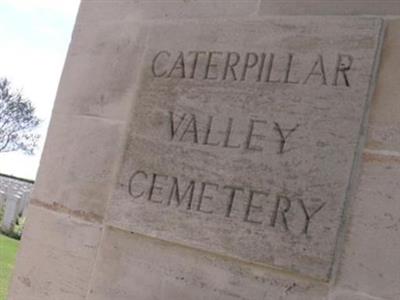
<point>221,150</point>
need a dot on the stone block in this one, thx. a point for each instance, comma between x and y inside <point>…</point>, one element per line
<point>371,259</point>
<point>100,71</point>
<point>330,7</point>
<point>243,136</point>
<point>132,266</point>
<point>135,10</point>
<point>56,257</point>
<point>78,165</point>
<point>384,124</point>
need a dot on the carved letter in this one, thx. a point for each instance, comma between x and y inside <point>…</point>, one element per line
<point>232,195</point>
<point>250,206</point>
<point>309,215</point>
<point>172,126</point>
<point>135,196</point>
<point>280,212</point>
<point>288,69</point>
<point>248,64</point>
<point>284,137</point>
<point>179,65</point>
<point>196,58</point>
<point>209,65</point>
<point>175,192</point>
<point>269,71</point>
<point>250,135</point>
<point>228,135</point>
<point>204,185</point>
<point>155,187</point>
<point>208,131</point>
<point>321,72</point>
<point>153,65</point>
<point>261,67</point>
<point>230,65</point>
<point>193,125</point>
<point>343,68</point>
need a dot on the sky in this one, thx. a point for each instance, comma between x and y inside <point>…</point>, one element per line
<point>35,35</point>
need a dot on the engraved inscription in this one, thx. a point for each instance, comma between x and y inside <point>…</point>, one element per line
<point>284,135</point>
<point>252,206</point>
<point>185,127</point>
<point>243,136</point>
<point>258,67</point>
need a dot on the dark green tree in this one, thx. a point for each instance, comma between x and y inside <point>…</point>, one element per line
<point>17,121</point>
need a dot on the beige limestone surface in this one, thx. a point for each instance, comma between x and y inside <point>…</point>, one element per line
<point>374,267</point>
<point>371,259</point>
<point>69,251</point>
<point>136,10</point>
<point>173,272</point>
<point>243,136</point>
<point>384,126</point>
<point>56,257</point>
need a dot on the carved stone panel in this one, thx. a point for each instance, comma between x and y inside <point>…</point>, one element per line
<point>243,136</point>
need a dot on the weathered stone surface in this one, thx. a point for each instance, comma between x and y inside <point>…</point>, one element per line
<point>78,166</point>
<point>245,147</point>
<point>128,10</point>
<point>384,123</point>
<point>99,75</point>
<point>132,266</point>
<point>330,7</point>
<point>56,257</point>
<point>370,263</point>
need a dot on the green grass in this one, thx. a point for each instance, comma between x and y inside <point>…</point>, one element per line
<point>8,252</point>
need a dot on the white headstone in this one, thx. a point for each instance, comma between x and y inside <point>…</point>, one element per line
<point>11,212</point>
